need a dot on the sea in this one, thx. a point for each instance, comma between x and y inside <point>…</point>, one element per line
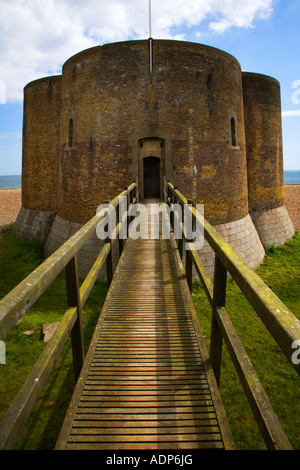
<point>12,181</point>
<point>292,176</point>
<point>15,181</point>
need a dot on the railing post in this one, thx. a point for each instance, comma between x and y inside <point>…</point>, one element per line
<point>109,260</point>
<point>188,259</point>
<point>172,201</point>
<point>73,297</point>
<point>137,190</point>
<point>216,339</point>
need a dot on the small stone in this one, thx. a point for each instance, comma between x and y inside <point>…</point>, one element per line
<point>28,332</point>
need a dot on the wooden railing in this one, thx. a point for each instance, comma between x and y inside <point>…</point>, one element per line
<point>281,323</point>
<point>15,304</point>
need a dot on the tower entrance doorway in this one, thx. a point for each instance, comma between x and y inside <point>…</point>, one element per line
<point>151,177</point>
<point>151,166</point>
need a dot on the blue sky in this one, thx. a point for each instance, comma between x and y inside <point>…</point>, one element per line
<point>38,36</point>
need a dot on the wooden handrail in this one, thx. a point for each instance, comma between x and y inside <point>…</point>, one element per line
<point>279,320</point>
<point>17,302</point>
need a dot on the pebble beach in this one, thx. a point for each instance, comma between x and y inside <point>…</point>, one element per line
<point>10,203</point>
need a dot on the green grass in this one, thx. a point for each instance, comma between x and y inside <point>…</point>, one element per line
<point>280,271</point>
<point>17,259</point>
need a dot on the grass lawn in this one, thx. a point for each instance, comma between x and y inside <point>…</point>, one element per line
<point>17,259</point>
<point>280,271</point>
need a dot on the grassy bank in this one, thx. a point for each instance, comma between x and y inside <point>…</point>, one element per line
<point>17,259</point>
<point>280,271</point>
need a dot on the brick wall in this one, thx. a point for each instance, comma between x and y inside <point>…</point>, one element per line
<point>40,143</point>
<point>188,102</point>
<point>264,141</point>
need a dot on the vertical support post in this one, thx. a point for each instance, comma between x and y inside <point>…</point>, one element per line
<point>172,201</point>
<point>73,297</point>
<point>168,194</point>
<point>121,241</point>
<point>180,240</point>
<point>109,261</point>
<point>109,264</point>
<point>219,296</point>
<point>137,190</point>
<point>130,202</point>
<point>131,196</point>
<point>126,220</point>
<point>119,221</point>
<point>188,259</point>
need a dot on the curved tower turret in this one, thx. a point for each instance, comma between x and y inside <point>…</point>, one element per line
<point>40,157</point>
<point>262,107</point>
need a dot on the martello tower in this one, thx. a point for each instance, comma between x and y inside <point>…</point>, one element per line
<point>194,118</point>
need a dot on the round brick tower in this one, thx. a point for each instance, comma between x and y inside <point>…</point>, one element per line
<point>183,120</point>
<point>262,106</point>
<point>39,162</point>
<point>117,113</point>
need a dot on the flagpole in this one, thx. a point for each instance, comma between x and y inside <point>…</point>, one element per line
<point>150,19</point>
<point>150,41</point>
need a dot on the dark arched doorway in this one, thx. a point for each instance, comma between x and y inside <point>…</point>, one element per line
<point>151,177</point>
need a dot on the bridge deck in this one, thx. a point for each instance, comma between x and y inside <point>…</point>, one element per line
<point>146,382</point>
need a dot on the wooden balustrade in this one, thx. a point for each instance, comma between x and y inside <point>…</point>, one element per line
<point>281,323</point>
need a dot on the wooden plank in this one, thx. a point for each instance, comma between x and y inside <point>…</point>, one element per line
<point>145,438</point>
<point>87,429</point>
<point>145,416</point>
<point>144,381</point>
<point>109,387</point>
<point>146,398</point>
<point>157,425</point>
<point>145,446</point>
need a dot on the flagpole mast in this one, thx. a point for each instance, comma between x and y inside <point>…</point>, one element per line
<point>149,18</point>
<point>150,41</point>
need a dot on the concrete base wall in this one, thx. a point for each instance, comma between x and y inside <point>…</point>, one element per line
<point>242,236</point>
<point>62,230</point>
<point>273,226</point>
<point>32,223</point>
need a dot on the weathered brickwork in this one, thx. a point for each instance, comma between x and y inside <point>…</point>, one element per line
<point>264,141</point>
<point>32,223</point>
<point>62,230</point>
<point>40,143</point>
<point>215,131</point>
<point>242,237</point>
<point>109,95</point>
<point>273,226</point>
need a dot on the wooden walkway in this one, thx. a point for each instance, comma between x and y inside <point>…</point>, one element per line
<point>146,382</point>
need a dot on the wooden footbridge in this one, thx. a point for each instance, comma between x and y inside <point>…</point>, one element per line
<point>147,380</point>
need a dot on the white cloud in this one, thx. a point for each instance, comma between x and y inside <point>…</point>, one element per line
<point>38,36</point>
<point>291,113</point>
<point>10,135</point>
<point>241,14</point>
